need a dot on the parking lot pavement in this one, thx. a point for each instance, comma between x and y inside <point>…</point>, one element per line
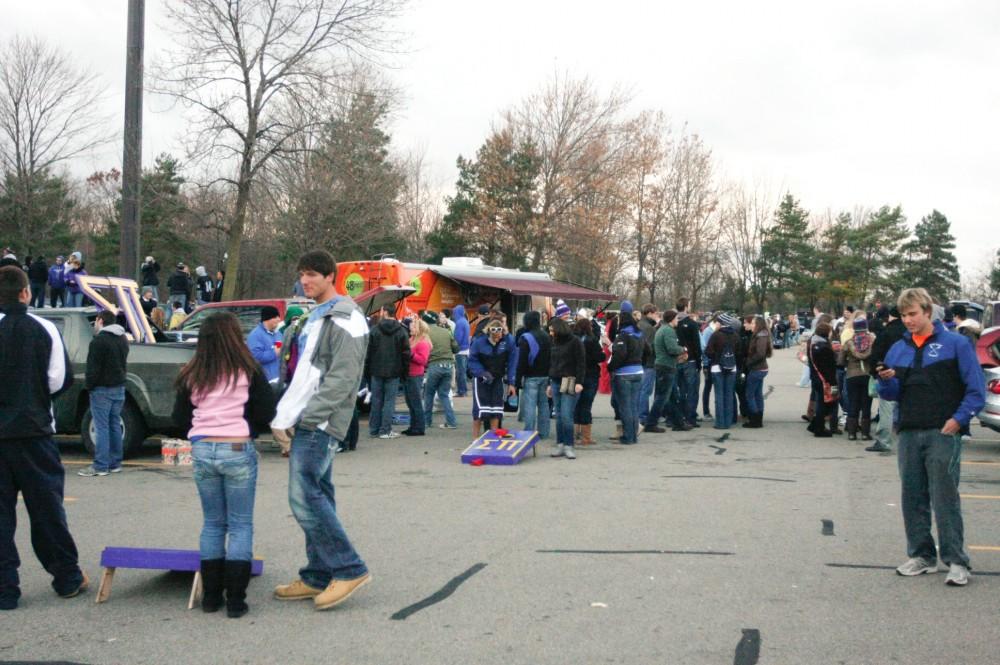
<point>701,547</point>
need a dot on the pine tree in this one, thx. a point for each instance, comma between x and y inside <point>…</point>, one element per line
<point>876,247</point>
<point>929,260</point>
<point>786,256</point>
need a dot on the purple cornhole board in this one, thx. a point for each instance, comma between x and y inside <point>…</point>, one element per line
<point>505,451</point>
<point>154,559</point>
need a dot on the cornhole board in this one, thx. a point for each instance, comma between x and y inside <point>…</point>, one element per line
<point>503,451</point>
<point>157,559</point>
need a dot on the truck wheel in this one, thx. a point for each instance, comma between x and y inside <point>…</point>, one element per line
<point>133,434</point>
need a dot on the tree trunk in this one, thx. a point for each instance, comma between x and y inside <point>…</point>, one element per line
<point>236,239</point>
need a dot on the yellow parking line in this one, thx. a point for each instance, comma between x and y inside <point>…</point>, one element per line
<point>983,463</point>
<point>980,496</point>
<point>984,548</point>
<point>70,499</point>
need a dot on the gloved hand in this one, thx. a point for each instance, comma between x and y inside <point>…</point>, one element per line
<point>283,437</point>
<point>487,378</point>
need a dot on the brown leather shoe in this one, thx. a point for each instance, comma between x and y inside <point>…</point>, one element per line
<point>339,591</point>
<point>84,585</point>
<point>297,590</point>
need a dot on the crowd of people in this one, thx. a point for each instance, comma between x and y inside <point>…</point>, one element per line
<point>302,382</point>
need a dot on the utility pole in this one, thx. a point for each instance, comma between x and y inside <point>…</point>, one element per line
<point>128,258</point>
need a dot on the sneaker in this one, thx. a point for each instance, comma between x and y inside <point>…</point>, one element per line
<point>653,429</point>
<point>297,590</point>
<point>958,575</point>
<point>447,426</point>
<point>560,451</point>
<point>412,433</point>
<point>117,469</point>
<point>390,435</point>
<point>682,428</point>
<point>90,472</point>
<point>966,438</point>
<point>878,448</point>
<point>339,591</point>
<point>84,584</point>
<point>569,452</point>
<point>917,566</point>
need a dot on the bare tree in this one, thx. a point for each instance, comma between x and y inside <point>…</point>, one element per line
<point>745,214</point>
<point>419,204</point>
<point>250,71</point>
<point>48,115</point>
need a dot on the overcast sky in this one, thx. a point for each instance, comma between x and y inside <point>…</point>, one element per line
<point>843,104</point>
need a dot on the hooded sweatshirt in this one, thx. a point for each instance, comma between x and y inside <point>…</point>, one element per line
<point>534,349</point>
<point>463,334</point>
<point>388,350</point>
<point>107,358</point>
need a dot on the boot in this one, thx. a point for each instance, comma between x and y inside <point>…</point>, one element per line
<point>835,425</point>
<point>753,421</point>
<point>852,429</point>
<point>818,428</point>
<point>212,583</point>
<point>237,579</point>
<point>585,432</point>
<point>866,427</point>
<point>619,432</point>
<point>810,412</point>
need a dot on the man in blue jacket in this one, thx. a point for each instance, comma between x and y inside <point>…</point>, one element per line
<point>57,283</point>
<point>263,342</point>
<point>35,368</point>
<point>935,378</point>
<point>463,336</point>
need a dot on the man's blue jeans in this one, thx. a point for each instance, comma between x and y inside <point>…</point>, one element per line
<point>329,553</point>
<point>227,485</point>
<point>438,382</point>
<point>564,406</point>
<point>724,384</point>
<point>755,390</point>
<point>688,382</point>
<point>625,389</point>
<point>929,469</point>
<point>664,403</point>
<point>537,416</point>
<point>646,392</point>
<point>106,410</point>
<point>461,378</point>
<point>383,404</point>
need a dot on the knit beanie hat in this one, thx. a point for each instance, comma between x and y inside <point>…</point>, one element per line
<point>292,313</point>
<point>728,320</point>
<point>626,307</point>
<point>860,325</point>
<point>268,312</point>
<point>562,309</point>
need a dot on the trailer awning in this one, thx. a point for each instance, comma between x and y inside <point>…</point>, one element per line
<point>522,286</point>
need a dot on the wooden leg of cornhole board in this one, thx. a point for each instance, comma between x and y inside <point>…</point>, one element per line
<point>195,590</point>
<point>104,589</point>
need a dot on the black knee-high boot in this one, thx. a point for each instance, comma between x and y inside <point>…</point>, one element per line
<point>212,584</point>
<point>237,579</point>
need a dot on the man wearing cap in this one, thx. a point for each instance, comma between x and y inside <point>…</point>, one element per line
<point>479,323</point>
<point>264,342</point>
<point>180,285</point>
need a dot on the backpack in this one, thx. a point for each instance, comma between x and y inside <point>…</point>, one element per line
<point>727,359</point>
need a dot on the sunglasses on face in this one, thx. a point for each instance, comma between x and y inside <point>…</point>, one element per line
<point>494,329</point>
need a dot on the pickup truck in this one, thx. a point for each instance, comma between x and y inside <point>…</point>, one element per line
<point>149,387</point>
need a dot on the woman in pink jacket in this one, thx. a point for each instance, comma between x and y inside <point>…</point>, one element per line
<point>420,351</point>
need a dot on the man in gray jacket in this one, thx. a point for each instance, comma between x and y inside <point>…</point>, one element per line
<point>313,417</point>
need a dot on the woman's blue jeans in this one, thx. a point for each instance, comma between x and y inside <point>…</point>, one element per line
<point>625,389</point>
<point>564,406</point>
<point>724,384</point>
<point>535,405</point>
<point>227,484</point>
<point>414,393</point>
<point>755,390</point>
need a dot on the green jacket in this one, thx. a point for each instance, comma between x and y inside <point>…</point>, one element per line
<point>443,345</point>
<point>666,347</point>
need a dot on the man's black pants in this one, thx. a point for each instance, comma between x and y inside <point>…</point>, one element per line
<point>33,467</point>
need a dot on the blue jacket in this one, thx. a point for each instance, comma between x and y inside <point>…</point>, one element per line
<point>56,278</point>
<point>499,360</point>
<point>463,334</point>
<point>261,343</point>
<point>940,380</point>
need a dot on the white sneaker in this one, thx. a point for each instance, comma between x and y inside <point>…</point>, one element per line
<point>447,426</point>
<point>917,566</point>
<point>569,452</point>
<point>390,435</point>
<point>958,575</point>
<point>560,451</point>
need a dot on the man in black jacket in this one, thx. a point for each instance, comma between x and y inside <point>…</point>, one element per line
<point>534,348</point>
<point>180,285</point>
<point>892,332</point>
<point>688,373</point>
<point>38,275</point>
<point>387,362</point>
<point>107,361</point>
<point>648,325</point>
<point>35,369</point>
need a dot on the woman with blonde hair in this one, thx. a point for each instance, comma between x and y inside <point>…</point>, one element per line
<point>413,389</point>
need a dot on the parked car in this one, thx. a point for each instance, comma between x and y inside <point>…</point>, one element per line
<point>149,385</point>
<point>247,311</point>
<point>988,351</point>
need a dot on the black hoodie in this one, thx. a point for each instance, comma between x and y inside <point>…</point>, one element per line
<point>528,364</point>
<point>388,351</point>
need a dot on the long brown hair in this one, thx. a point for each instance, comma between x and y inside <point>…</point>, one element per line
<point>221,356</point>
<point>760,325</point>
